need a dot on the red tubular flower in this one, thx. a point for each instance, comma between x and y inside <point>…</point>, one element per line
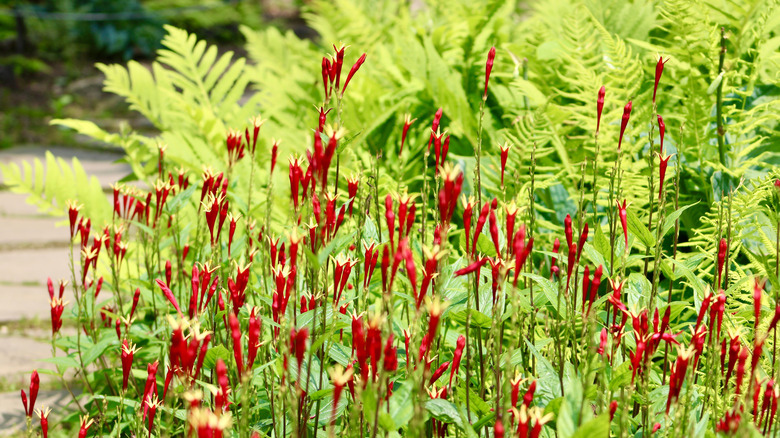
<point>73,215</point>
<point>483,215</point>
<point>600,107</point>
<point>390,219</point>
<point>35,383</point>
<point>438,373</point>
<point>624,219</point>
<point>493,227</point>
<point>594,287</point>
<point>659,69</point>
<point>86,423</point>
<point>498,429</point>
<point>567,229</point>
<point>624,122</point>
<point>254,338</point>
<point>663,163</point>
<point>456,357</point>
<point>57,307</point>
<point>511,214</point>
<point>636,357</point>
<point>585,287</point>
<point>743,355</point>
<point>661,131</point>
<point>352,188</point>
<point>581,243</point>
<point>474,267</point>
<point>553,263</point>
<point>44,415</point>
<point>435,309</point>
<point>274,154</point>
<point>602,341</point>
<point>169,295</point>
<point>570,268</point>
<point>325,74</point>
<point>151,384</point>
<point>340,379</point>
<point>128,350</point>
<point>390,355</point>
<point>504,156</point>
<point>723,248</point>
<point>298,345</point>
<point>408,120</point>
<point>353,70</point>
<point>221,398</point>
<point>449,193</point>
<point>613,405</point>
<point>235,332</point>
<point>529,394</point>
<point>677,376</point>
<point>435,125</point>
<point>488,67</point>
<point>337,65</point>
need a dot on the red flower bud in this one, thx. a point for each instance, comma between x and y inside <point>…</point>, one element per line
<point>408,120</point>
<point>600,106</point>
<point>723,248</point>
<point>624,219</point>
<point>624,122</point>
<point>44,415</point>
<point>353,70</point>
<point>456,357</point>
<point>659,69</point>
<point>488,67</point>
<point>438,373</point>
<point>435,125</point>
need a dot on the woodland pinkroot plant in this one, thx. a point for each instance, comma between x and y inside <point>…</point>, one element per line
<point>241,300</point>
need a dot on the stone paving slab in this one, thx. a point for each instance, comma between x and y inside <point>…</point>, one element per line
<point>24,303</point>
<point>13,204</point>
<point>36,232</point>
<point>96,163</point>
<point>33,266</point>
<point>22,354</point>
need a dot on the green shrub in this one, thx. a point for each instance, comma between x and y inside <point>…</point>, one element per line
<point>531,281</point>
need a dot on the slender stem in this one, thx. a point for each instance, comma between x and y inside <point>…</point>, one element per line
<point>719,105</point>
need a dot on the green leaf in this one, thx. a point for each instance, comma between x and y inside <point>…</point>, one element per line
<point>478,319</point>
<point>669,221</point>
<point>401,406</point>
<point>214,353</point>
<point>550,291</point>
<point>63,361</point>
<point>596,427</point>
<point>484,245</point>
<point>97,350</point>
<point>444,411</point>
<point>638,229</point>
<point>621,376</point>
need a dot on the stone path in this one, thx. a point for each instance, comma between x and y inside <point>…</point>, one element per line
<point>32,248</point>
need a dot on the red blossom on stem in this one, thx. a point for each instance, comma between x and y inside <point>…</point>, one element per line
<point>659,69</point>
<point>35,383</point>
<point>353,70</point>
<point>408,120</point>
<point>623,214</point>
<point>723,248</point>
<point>600,107</point>
<point>624,122</point>
<point>488,68</point>
<point>456,357</point>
